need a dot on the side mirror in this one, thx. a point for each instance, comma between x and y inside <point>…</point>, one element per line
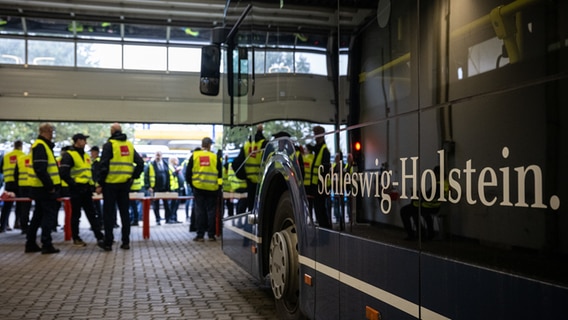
<point>210,75</point>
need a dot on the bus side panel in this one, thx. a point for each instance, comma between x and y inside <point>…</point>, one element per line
<point>236,244</point>
<point>327,284</point>
<point>390,270</point>
<point>469,292</point>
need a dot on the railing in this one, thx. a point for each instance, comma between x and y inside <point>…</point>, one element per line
<point>146,204</point>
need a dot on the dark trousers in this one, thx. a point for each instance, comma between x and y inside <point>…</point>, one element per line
<point>6,210</point>
<point>156,206</point>
<point>135,205</point>
<point>83,199</point>
<point>116,195</point>
<point>98,212</point>
<point>251,194</point>
<point>24,214</point>
<point>321,210</point>
<point>205,210</point>
<point>44,216</point>
<point>7,207</point>
<point>174,206</point>
<point>410,211</point>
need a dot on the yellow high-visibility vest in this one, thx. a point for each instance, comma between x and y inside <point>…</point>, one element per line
<point>316,164</point>
<point>253,154</point>
<point>52,167</point>
<point>81,171</point>
<point>308,161</point>
<point>24,169</point>
<point>9,164</point>
<point>120,167</point>
<point>204,172</point>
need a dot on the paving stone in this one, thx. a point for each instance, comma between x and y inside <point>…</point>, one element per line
<point>168,276</point>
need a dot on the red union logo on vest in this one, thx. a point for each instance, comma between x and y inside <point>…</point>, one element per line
<point>204,161</point>
<point>124,151</point>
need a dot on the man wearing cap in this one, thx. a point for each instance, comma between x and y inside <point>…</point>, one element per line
<point>205,175</point>
<point>75,169</point>
<point>116,176</point>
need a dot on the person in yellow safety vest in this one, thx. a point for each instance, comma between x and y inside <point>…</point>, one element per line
<point>238,186</point>
<point>24,168</point>
<point>9,167</point>
<point>75,169</point>
<point>136,204</point>
<point>425,208</point>
<point>249,159</point>
<point>322,159</point>
<point>116,176</point>
<point>205,175</point>
<point>176,185</point>
<point>45,188</point>
<point>232,184</point>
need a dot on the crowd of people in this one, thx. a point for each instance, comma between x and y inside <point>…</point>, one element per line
<point>76,174</point>
<point>206,181</point>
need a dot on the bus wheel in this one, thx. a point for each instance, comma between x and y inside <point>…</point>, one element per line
<point>283,261</point>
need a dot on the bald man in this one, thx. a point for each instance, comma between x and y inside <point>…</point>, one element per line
<point>115,178</point>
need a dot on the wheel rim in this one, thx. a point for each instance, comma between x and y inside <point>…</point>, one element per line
<point>283,262</point>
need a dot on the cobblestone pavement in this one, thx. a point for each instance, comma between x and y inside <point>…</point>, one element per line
<point>168,276</point>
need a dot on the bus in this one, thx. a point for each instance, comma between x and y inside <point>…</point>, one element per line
<point>453,103</point>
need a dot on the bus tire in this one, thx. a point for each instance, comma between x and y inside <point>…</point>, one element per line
<point>284,266</point>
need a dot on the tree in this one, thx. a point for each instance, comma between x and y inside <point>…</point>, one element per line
<point>300,131</point>
<point>98,133</point>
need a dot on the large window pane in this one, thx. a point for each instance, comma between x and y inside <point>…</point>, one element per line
<point>12,51</point>
<point>51,53</point>
<point>144,57</point>
<point>279,62</point>
<point>312,63</point>
<point>184,59</point>
<point>99,55</point>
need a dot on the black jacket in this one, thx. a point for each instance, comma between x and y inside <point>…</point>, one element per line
<point>107,155</point>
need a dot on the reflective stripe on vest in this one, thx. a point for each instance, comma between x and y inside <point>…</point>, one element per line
<point>81,171</point>
<point>253,155</point>
<point>120,166</point>
<point>316,164</point>
<point>52,168</point>
<point>308,161</point>
<point>236,183</point>
<point>204,174</point>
